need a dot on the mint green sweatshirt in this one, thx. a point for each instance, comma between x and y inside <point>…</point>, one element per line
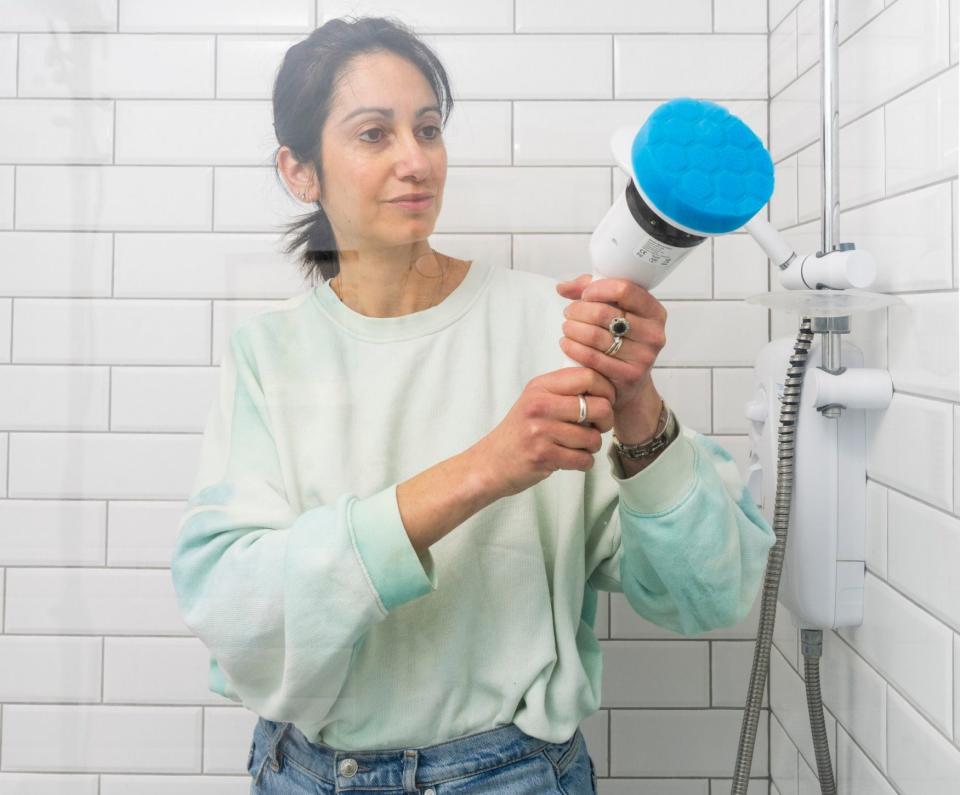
<point>293,567</point>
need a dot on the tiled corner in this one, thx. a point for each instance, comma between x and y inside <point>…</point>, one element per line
<point>876,535</point>
<point>856,772</point>
<point>924,547</point>
<point>783,53</point>
<point>956,689</point>
<point>908,647</point>
<point>783,759</point>
<point>919,758</point>
<point>923,345</point>
<point>909,447</point>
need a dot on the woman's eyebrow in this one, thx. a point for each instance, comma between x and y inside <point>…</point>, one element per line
<point>388,112</point>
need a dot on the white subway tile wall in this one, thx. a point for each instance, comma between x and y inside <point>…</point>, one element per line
<point>891,687</point>
<point>94,96</point>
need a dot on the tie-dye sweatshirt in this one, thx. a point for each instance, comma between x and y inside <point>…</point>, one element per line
<point>293,567</point>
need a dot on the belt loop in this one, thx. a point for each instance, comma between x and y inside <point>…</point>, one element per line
<point>410,771</point>
<point>272,752</point>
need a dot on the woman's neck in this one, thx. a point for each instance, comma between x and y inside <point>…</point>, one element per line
<point>376,289</point>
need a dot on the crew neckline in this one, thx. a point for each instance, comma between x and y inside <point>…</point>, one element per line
<point>414,324</point>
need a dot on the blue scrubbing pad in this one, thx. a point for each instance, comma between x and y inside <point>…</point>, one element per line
<point>701,166</point>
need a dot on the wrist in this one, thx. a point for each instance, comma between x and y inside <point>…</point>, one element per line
<point>479,482</point>
<point>650,438</point>
<point>639,420</point>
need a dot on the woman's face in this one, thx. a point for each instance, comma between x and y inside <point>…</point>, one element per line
<point>370,157</point>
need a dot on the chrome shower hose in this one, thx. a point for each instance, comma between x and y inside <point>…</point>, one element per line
<point>789,409</point>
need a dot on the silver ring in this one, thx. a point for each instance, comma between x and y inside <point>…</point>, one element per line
<point>583,410</point>
<point>617,342</point>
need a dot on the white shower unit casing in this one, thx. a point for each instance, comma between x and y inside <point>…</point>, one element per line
<point>823,570</point>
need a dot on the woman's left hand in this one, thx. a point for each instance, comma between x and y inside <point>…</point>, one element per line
<point>586,334</point>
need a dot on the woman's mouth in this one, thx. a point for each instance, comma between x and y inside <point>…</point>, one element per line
<point>414,204</point>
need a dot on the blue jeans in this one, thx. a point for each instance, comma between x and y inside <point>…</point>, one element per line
<point>505,760</point>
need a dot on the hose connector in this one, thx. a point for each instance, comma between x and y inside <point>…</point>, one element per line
<point>811,642</point>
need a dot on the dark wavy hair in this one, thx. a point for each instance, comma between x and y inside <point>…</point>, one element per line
<point>302,95</point>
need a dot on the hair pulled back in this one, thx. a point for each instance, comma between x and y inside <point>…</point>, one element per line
<point>302,96</point>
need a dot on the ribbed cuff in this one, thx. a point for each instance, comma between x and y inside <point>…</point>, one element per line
<point>398,573</point>
<point>662,485</point>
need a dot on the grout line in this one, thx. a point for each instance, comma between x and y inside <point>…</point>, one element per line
<point>793,8</point>
<point>710,674</point>
<point>796,46</point>
<point>945,511</point>
<point>710,399</point>
<point>851,738</point>
<point>796,750</point>
<point>868,203</point>
<point>212,330</point>
<point>609,743</point>
<point>885,506</point>
<point>613,66</point>
<point>955,729</point>
<point>886,677</point>
<point>891,686</point>
<point>840,42</point>
<point>950,23</point>
<point>870,109</point>
<point>934,398</point>
<point>953,233</point>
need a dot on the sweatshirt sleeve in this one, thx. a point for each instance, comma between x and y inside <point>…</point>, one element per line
<point>688,546</point>
<point>282,599</point>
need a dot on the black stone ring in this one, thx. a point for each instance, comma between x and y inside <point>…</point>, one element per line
<point>619,326</point>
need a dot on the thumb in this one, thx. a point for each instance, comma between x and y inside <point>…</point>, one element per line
<point>576,285</point>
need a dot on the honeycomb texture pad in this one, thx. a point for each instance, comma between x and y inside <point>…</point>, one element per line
<point>701,166</point>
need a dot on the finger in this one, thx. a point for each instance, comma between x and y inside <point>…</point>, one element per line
<point>645,334</point>
<point>573,287</point>
<point>626,295</point>
<point>617,368</point>
<point>599,410</point>
<point>579,380</point>
<point>573,436</point>
<point>600,314</point>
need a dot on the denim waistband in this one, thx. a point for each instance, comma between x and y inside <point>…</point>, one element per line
<point>397,767</point>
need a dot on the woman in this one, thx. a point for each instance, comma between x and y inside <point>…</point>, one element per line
<point>397,532</point>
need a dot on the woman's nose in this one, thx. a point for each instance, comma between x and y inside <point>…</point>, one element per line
<point>411,156</point>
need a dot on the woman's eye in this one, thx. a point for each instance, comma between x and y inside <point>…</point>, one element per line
<point>379,138</point>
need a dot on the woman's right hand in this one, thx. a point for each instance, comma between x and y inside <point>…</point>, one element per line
<point>540,433</point>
